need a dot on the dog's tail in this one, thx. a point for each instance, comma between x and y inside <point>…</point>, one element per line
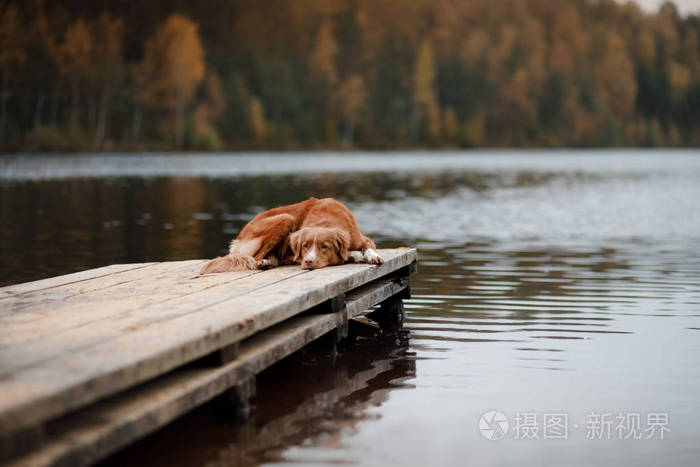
<point>230,262</point>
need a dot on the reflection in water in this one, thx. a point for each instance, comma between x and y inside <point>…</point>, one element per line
<point>544,286</point>
<point>61,226</point>
<point>306,399</point>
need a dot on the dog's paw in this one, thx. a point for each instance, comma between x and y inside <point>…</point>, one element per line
<point>269,262</point>
<point>356,257</point>
<point>372,257</point>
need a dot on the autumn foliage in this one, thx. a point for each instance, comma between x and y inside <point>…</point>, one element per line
<point>346,73</point>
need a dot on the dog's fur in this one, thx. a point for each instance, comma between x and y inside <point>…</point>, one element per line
<point>314,233</point>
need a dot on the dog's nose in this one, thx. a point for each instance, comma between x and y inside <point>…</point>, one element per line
<point>308,264</point>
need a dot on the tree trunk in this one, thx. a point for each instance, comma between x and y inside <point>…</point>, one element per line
<point>136,124</point>
<point>54,103</point>
<point>38,110</point>
<point>415,119</point>
<point>92,111</point>
<point>348,133</point>
<point>102,117</point>
<point>3,106</point>
<point>74,111</point>
<point>179,118</point>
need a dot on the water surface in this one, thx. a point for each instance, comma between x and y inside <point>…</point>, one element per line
<point>556,286</point>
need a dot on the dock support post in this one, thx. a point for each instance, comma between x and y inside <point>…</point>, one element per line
<point>336,306</point>
<point>239,398</point>
<point>228,354</point>
<point>391,313</point>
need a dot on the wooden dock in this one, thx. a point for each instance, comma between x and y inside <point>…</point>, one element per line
<point>92,361</point>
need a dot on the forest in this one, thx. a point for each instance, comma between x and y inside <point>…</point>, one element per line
<point>321,74</point>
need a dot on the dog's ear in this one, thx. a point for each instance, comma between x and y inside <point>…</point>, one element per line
<point>341,239</point>
<point>295,244</point>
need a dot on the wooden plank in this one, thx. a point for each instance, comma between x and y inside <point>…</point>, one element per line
<point>88,319</point>
<point>51,302</point>
<point>50,321</point>
<point>367,296</point>
<point>10,291</point>
<point>100,430</point>
<point>157,344</point>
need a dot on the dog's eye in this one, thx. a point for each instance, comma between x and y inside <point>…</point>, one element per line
<point>324,246</point>
<point>305,246</point>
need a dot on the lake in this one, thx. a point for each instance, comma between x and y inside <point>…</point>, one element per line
<point>554,320</point>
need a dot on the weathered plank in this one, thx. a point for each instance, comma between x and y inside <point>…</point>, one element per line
<point>58,281</point>
<point>50,311</point>
<point>53,320</point>
<point>25,307</point>
<point>125,313</point>
<point>160,337</point>
<point>367,296</point>
<point>98,431</point>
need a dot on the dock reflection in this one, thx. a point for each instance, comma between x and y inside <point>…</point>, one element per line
<point>310,398</point>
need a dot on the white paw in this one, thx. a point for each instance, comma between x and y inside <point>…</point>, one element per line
<point>372,257</point>
<point>356,256</point>
<point>270,262</point>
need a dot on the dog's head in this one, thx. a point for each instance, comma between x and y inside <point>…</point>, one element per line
<point>317,247</point>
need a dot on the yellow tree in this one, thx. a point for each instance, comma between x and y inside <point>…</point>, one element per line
<point>425,102</point>
<point>350,100</point>
<point>568,40</point>
<point>258,126</point>
<point>74,60</point>
<point>11,53</point>
<point>172,69</point>
<point>617,85</point>
<point>323,71</point>
<point>322,61</point>
<point>450,124</point>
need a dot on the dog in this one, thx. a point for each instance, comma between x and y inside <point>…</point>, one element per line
<point>314,233</point>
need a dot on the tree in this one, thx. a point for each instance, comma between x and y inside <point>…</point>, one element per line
<point>615,76</point>
<point>171,70</point>
<point>426,108</point>
<point>450,124</point>
<point>208,111</point>
<point>74,60</point>
<point>11,54</point>
<point>322,61</point>
<point>351,99</point>
<point>516,110</point>
<point>109,67</point>
<point>258,126</point>
<point>387,73</point>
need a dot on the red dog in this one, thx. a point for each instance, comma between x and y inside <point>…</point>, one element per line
<point>315,233</point>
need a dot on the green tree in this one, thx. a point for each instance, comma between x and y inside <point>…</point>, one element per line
<point>107,59</point>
